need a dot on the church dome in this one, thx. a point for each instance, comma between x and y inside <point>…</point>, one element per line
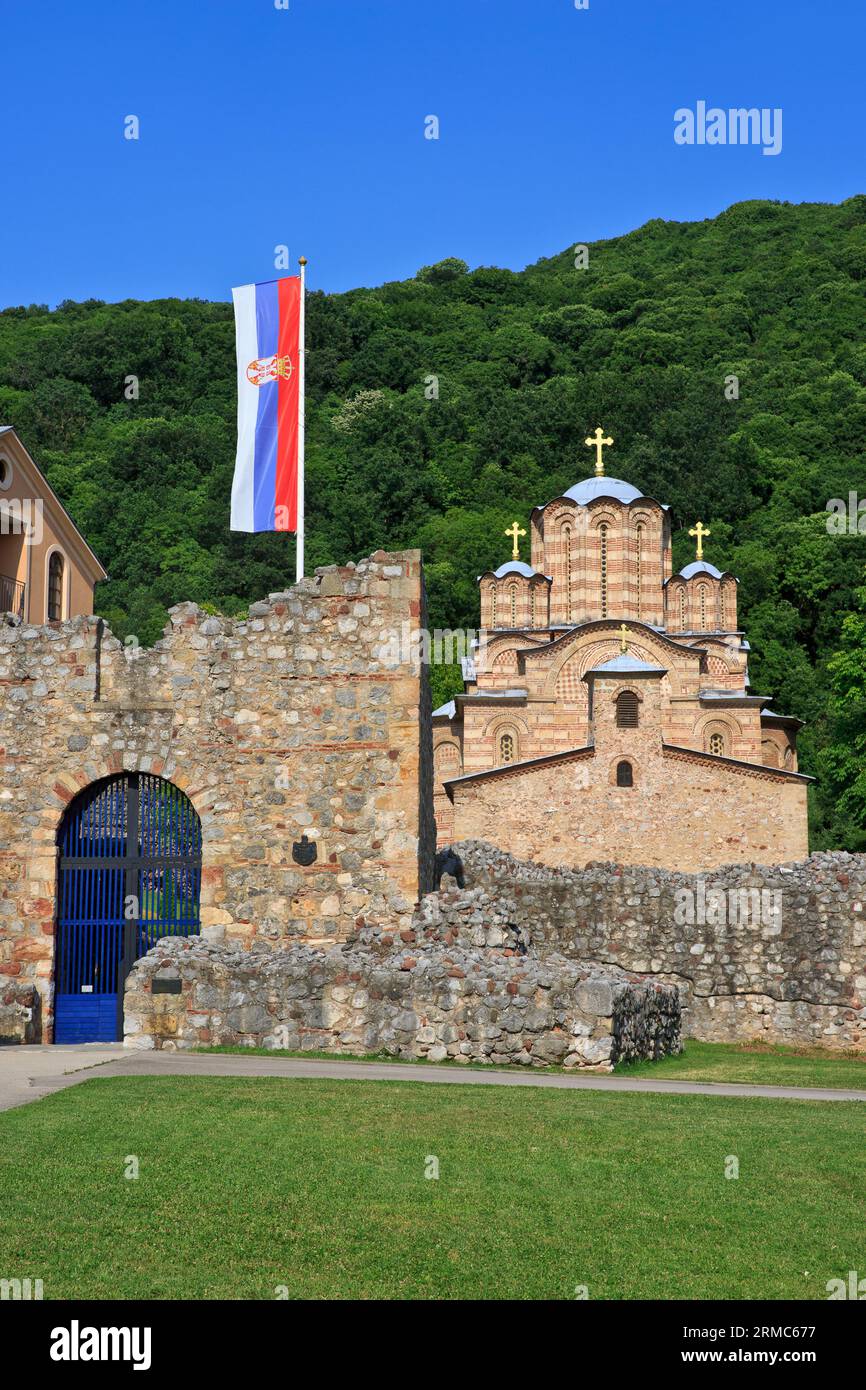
<point>700,567</point>
<point>514,567</point>
<point>591,488</point>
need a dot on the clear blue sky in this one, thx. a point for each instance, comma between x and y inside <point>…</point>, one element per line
<point>262,126</point>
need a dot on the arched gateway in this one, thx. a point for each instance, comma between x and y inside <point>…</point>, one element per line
<point>129,873</point>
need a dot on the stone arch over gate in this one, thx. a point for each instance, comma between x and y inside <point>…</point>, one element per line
<point>129,873</point>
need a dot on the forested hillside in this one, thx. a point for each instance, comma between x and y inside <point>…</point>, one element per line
<point>527,364</point>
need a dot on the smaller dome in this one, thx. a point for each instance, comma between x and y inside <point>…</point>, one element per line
<point>514,567</point>
<point>628,664</point>
<point>700,567</point>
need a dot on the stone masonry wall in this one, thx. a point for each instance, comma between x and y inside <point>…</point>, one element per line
<point>685,810</point>
<point>774,953</point>
<point>463,1004</point>
<point>20,1003</point>
<point>304,716</point>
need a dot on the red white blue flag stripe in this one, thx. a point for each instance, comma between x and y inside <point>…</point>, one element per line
<point>267,487</point>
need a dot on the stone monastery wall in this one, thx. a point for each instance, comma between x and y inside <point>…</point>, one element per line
<point>533,965</point>
<point>453,1002</point>
<point>777,953</point>
<point>296,719</point>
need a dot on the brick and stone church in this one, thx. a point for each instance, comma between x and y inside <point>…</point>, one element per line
<point>608,713</point>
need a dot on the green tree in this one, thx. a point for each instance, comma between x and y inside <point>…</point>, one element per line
<point>843,761</point>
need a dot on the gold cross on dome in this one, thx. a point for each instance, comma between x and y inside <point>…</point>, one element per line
<point>623,638</point>
<point>700,531</point>
<point>598,441</point>
<point>514,531</point>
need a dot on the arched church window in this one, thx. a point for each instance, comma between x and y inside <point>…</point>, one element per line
<point>602,536</point>
<point>702,594</point>
<point>682,610</point>
<point>638,545</point>
<point>446,760</point>
<point>532,605</point>
<point>513,596</point>
<point>624,775</point>
<point>723,609</point>
<point>716,744</point>
<point>566,545</point>
<point>493,605</point>
<point>626,710</point>
<point>55,587</point>
<point>506,748</point>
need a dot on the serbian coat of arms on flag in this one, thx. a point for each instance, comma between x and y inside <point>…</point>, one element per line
<point>267,334</point>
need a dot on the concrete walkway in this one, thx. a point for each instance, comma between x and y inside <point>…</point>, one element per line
<point>28,1073</point>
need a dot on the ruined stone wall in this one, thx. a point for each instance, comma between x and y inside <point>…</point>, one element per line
<point>776,953</point>
<point>304,716</point>
<point>464,1004</point>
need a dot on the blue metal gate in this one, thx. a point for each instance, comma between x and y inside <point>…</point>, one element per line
<point>129,874</point>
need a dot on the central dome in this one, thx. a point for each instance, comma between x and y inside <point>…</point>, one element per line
<point>590,488</point>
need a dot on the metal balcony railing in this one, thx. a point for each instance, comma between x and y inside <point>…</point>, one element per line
<point>12,596</point>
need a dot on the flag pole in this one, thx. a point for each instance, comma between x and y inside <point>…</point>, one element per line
<point>299,543</point>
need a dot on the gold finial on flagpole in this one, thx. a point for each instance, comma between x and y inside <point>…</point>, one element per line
<point>302,260</point>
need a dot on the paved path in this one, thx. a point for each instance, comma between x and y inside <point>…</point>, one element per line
<point>27,1073</point>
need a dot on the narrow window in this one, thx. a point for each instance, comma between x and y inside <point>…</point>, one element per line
<point>626,710</point>
<point>723,608</point>
<point>638,542</point>
<point>506,748</point>
<point>532,606</point>
<point>55,587</point>
<point>717,744</point>
<point>566,540</point>
<point>602,533</point>
<point>682,610</point>
<point>703,593</point>
<point>514,605</point>
<point>493,605</point>
<point>624,775</point>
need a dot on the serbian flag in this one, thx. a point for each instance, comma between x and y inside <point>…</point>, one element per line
<point>267,491</point>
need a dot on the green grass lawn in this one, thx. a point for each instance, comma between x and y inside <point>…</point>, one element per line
<point>758,1063</point>
<point>247,1185</point>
